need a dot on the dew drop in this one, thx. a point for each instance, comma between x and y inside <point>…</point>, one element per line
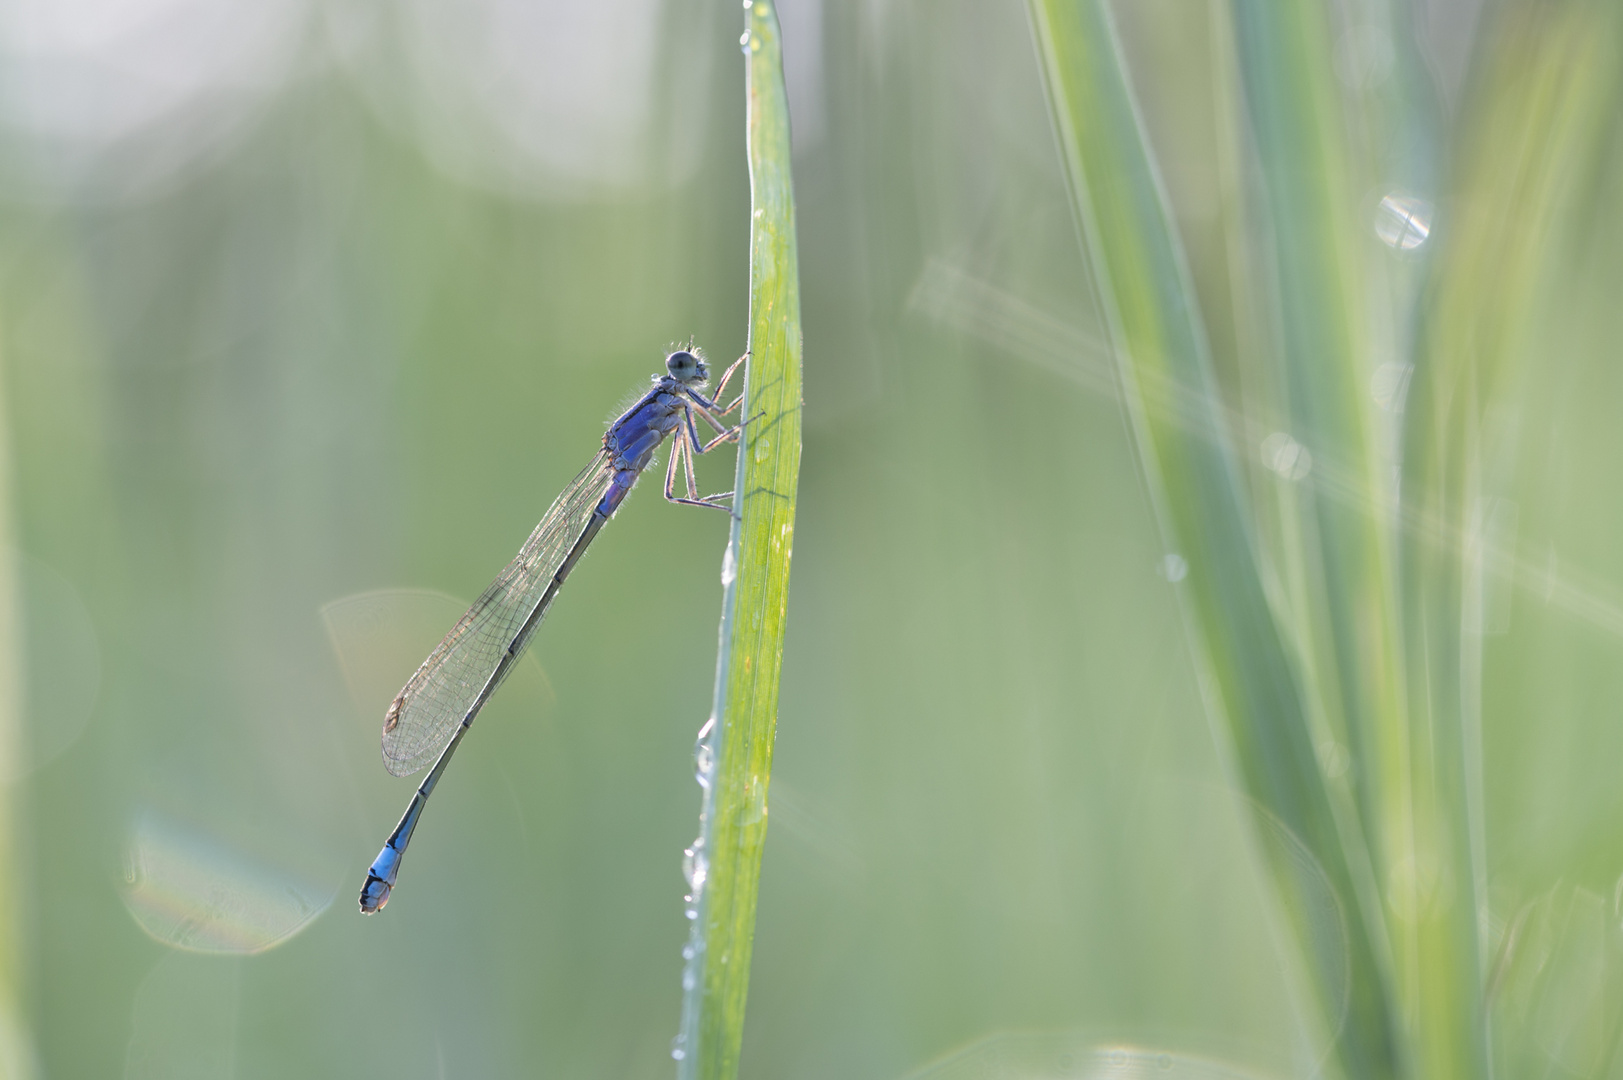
<point>1173,568</point>
<point>704,754</point>
<point>695,866</point>
<point>1403,222</point>
<point>1390,384</point>
<point>1285,456</point>
<point>745,40</point>
<point>763,446</point>
<point>729,567</point>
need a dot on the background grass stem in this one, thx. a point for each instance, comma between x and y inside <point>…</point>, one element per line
<point>1253,682</point>
<point>15,1053</point>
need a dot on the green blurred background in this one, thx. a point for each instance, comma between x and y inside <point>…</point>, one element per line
<point>307,311</point>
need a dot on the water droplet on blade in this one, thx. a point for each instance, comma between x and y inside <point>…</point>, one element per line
<point>1390,384</point>
<point>1173,568</point>
<point>695,866</point>
<point>1403,222</point>
<point>1285,456</point>
<point>704,754</point>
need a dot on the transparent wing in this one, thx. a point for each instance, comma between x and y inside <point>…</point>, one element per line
<point>451,681</point>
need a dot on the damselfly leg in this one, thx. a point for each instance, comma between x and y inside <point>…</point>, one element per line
<point>687,443</point>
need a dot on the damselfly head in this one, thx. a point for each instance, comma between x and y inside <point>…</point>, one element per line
<point>687,366</point>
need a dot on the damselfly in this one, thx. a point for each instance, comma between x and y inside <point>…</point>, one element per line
<point>439,702</point>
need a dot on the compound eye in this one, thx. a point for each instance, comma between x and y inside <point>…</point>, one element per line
<point>684,366</point>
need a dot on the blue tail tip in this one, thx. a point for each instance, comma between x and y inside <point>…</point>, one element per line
<point>374,894</point>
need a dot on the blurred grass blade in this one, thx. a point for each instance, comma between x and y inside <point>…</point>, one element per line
<point>726,865</point>
<point>1254,688</point>
<point>1340,530</point>
<point>1345,602</point>
<point>1548,88</point>
<point>16,1058</point>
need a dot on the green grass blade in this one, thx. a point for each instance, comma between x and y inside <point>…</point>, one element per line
<point>1546,94</point>
<point>1183,433</point>
<point>1348,603</point>
<point>16,1058</point>
<point>1341,530</point>
<point>716,981</point>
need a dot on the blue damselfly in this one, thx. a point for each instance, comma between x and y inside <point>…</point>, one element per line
<point>438,704</point>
